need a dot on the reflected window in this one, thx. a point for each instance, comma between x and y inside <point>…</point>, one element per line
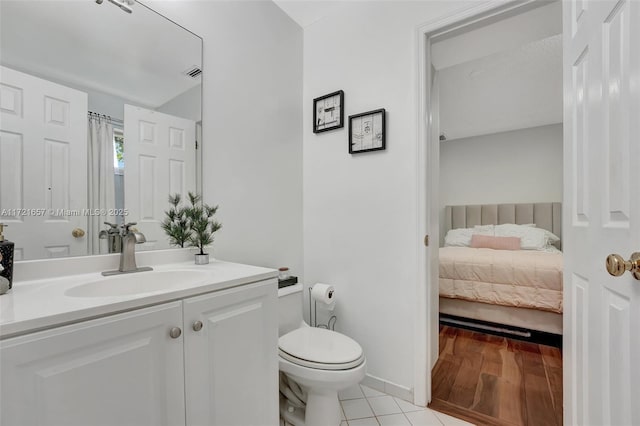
<point>118,166</point>
<point>118,151</point>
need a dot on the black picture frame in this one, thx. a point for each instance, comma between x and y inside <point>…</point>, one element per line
<point>367,131</point>
<point>324,109</point>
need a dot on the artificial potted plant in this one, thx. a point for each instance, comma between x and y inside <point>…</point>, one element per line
<point>193,225</point>
<point>203,226</point>
<point>176,224</point>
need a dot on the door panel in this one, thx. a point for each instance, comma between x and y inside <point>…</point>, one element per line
<point>581,141</point>
<point>160,159</point>
<point>43,157</point>
<point>231,364</point>
<point>617,160</point>
<point>11,170</point>
<point>118,370</point>
<point>602,144</point>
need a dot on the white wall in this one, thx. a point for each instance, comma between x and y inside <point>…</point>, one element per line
<point>360,212</point>
<point>520,166</point>
<point>511,167</point>
<point>185,105</point>
<point>252,126</point>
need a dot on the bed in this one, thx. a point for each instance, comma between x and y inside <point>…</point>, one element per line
<point>518,288</point>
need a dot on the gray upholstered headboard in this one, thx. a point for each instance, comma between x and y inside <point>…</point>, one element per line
<point>545,215</point>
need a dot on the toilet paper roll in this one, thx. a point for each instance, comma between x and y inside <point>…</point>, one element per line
<point>323,293</point>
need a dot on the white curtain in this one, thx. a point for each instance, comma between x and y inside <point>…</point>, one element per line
<point>101,177</point>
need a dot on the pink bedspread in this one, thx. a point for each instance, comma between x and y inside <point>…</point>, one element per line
<point>522,278</point>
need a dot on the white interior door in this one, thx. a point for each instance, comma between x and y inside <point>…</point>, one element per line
<point>43,165</point>
<point>434,222</point>
<point>602,211</point>
<point>160,159</point>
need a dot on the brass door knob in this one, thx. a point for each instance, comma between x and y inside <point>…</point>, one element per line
<point>77,233</point>
<point>616,265</point>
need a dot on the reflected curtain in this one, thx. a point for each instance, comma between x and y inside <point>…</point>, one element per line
<point>101,178</point>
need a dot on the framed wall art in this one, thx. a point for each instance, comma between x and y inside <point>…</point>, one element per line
<point>328,112</point>
<point>367,131</point>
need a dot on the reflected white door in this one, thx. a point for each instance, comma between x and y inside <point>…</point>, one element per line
<point>160,159</point>
<point>602,214</point>
<point>43,165</point>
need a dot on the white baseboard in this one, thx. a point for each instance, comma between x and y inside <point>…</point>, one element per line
<point>387,387</point>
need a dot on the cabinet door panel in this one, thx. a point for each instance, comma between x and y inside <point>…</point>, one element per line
<point>119,370</point>
<point>231,364</point>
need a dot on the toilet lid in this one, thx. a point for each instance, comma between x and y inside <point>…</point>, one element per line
<point>320,348</point>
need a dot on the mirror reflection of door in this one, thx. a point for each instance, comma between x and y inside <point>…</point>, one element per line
<point>160,160</point>
<point>43,173</point>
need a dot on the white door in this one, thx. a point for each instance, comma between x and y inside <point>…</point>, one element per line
<point>231,362</point>
<point>602,211</point>
<point>434,221</point>
<point>159,159</point>
<point>43,165</point>
<point>118,370</point>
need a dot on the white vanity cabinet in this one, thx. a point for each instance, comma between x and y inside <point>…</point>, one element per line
<point>231,357</point>
<point>118,370</point>
<point>133,368</point>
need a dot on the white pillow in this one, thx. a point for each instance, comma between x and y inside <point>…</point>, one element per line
<point>460,237</point>
<point>551,237</point>
<point>484,230</point>
<point>530,238</point>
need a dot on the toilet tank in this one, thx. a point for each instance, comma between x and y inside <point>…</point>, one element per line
<point>289,308</point>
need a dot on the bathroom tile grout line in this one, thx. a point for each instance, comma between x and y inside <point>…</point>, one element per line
<point>376,417</point>
<point>362,394</point>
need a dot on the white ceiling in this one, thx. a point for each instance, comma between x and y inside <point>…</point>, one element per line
<point>138,57</point>
<point>514,89</point>
<point>497,34</point>
<point>306,12</point>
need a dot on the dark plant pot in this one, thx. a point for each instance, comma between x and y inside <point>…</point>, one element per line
<point>202,259</point>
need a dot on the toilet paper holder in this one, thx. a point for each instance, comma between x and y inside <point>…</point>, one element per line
<point>331,323</point>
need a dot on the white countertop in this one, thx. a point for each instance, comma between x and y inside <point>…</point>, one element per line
<point>39,304</point>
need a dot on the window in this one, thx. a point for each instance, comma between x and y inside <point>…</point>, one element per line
<point>118,151</point>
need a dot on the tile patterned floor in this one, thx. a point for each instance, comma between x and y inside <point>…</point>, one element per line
<point>363,406</point>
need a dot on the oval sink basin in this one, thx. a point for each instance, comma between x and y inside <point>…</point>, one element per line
<point>137,283</point>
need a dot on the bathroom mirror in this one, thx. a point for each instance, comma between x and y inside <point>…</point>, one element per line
<point>100,117</point>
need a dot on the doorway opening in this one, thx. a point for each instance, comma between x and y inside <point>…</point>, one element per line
<point>493,84</point>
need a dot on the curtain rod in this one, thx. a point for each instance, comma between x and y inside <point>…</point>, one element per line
<point>117,120</point>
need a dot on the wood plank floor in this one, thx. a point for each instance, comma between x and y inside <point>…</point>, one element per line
<point>491,380</point>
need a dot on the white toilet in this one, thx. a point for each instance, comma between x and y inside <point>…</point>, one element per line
<point>321,361</point>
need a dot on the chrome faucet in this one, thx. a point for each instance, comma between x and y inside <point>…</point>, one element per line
<point>112,235</point>
<point>129,237</point>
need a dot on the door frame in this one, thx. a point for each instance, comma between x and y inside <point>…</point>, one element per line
<point>428,175</point>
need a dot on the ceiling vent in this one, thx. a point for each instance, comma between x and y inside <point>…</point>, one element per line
<point>193,72</point>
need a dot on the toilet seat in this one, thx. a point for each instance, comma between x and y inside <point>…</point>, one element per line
<point>320,349</point>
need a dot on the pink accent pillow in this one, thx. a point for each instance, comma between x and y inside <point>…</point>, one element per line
<point>496,243</point>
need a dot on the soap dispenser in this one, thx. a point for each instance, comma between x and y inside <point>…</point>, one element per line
<point>6,256</point>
